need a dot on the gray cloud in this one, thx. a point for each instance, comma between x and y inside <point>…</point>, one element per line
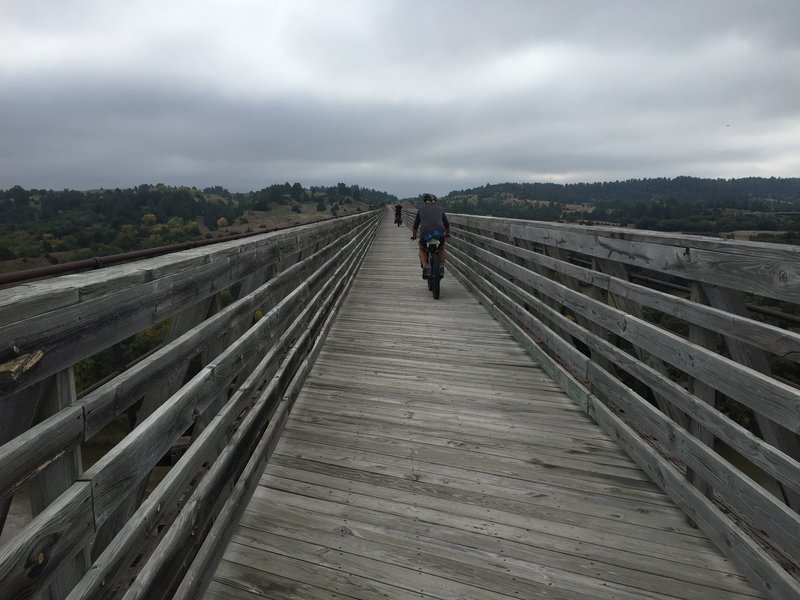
<point>402,96</point>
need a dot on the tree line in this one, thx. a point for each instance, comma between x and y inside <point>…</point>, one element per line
<point>35,223</point>
<point>686,204</point>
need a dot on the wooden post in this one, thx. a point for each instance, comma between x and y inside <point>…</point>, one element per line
<point>179,324</point>
<point>17,413</point>
<point>702,337</point>
<point>56,478</point>
<point>618,270</point>
<point>786,441</point>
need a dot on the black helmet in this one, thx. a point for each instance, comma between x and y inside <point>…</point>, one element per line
<point>429,198</point>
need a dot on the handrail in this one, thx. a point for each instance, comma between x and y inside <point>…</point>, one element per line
<point>584,302</point>
<point>93,535</point>
<point>97,262</point>
<point>660,368</point>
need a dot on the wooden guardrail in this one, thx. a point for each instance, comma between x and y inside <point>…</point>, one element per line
<point>661,371</point>
<point>93,534</point>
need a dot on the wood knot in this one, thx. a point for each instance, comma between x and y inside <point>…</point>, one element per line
<point>12,370</point>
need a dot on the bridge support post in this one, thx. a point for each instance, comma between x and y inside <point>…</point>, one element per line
<point>706,338</point>
<point>58,393</point>
<point>774,433</point>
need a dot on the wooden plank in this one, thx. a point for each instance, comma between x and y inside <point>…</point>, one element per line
<point>703,337</point>
<point>106,402</point>
<point>17,413</point>
<point>199,573</point>
<point>127,462</point>
<point>772,431</point>
<point>30,560</point>
<point>769,397</point>
<point>124,300</point>
<point>769,269</point>
<point>761,507</point>
<point>274,322</point>
<point>362,532</point>
<point>761,568</point>
<point>22,457</point>
<point>774,462</point>
<point>610,277</point>
<point>417,482</point>
<point>56,478</point>
<point>332,494</point>
<point>165,568</point>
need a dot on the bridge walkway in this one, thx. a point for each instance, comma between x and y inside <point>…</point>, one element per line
<point>429,457</point>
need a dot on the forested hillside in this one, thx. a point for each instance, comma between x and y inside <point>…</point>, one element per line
<point>60,226</point>
<point>686,204</point>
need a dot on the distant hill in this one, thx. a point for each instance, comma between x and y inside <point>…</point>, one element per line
<point>39,227</point>
<point>687,204</point>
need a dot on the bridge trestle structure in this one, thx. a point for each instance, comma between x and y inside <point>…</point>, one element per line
<point>675,345</point>
<point>246,319</point>
<point>661,338</point>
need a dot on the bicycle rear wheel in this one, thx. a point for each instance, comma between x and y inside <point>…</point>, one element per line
<point>434,279</point>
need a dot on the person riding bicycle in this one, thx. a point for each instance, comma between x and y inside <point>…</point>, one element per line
<point>398,213</point>
<point>431,222</point>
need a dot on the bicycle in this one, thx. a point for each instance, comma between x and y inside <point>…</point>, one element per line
<point>435,269</point>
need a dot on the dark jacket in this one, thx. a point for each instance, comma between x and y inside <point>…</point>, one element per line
<point>430,218</point>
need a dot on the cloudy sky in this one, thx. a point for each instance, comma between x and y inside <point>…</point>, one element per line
<point>404,96</point>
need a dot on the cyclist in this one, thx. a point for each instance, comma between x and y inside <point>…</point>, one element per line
<point>431,222</point>
<point>398,213</point>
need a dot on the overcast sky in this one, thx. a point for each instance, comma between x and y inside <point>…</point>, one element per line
<point>404,96</point>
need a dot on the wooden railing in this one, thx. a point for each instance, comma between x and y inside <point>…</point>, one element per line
<point>660,338</point>
<point>223,382</point>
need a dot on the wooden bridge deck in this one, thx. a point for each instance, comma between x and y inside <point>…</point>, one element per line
<point>467,476</point>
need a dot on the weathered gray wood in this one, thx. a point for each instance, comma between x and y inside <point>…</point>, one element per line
<point>134,296</point>
<point>125,547</point>
<point>784,468</point>
<point>769,269</point>
<point>110,486</point>
<point>703,337</point>
<point>199,573</point>
<point>784,342</point>
<point>111,399</point>
<point>774,462</point>
<point>127,462</point>
<point>57,477</point>
<point>619,272</point>
<point>24,301</point>
<point>762,569</point>
<point>760,506</point>
<point>156,394</point>
<point>769,397</point>
<point>773,431</point>
<point>23,456</point>
<point>255,438</point>
<point>576,285</point>
<point>17,413</point>
<point>391,479</point>
<point>30,560</point>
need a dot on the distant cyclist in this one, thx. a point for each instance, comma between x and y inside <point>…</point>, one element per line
<point>398,213</point>
<point>430,222</point>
